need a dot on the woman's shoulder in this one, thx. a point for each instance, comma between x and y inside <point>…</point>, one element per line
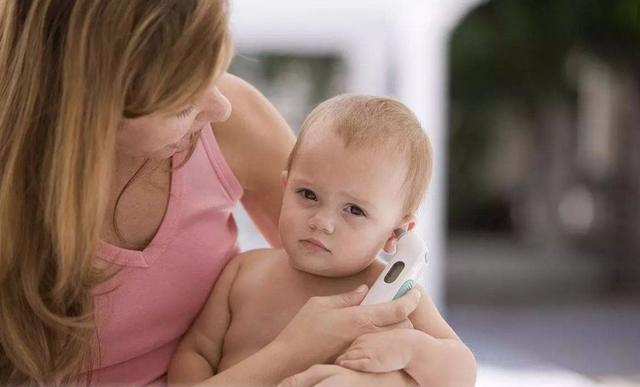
<point>239,90</point>
<point>250,109</point>
<point>255,139</point>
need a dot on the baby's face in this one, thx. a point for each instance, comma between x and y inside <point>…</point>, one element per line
<point>340,205</point>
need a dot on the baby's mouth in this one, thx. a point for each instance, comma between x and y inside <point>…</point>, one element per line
<point>314,244</point>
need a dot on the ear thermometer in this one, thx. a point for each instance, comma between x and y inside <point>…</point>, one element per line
<point>403,271</point>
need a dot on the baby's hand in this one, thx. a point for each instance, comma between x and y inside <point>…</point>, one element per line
<point>379,352</point>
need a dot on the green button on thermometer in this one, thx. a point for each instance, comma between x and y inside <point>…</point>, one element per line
<point>403,271</point>
<point>406,286</point>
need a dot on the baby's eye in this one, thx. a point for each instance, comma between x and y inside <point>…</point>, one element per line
<point>307,194</point>
<point>355,210</point>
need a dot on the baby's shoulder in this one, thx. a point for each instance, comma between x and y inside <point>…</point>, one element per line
<point>259,257</point>
<point>257,264</point>
<point>257,273</point>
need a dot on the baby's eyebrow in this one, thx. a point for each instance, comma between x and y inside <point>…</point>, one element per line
<point>299,181</point>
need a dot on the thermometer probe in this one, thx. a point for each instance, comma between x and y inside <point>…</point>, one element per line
<point>403,271</point>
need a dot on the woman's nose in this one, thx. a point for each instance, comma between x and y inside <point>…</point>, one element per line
<point>215,106</point>
<point>321,221</point>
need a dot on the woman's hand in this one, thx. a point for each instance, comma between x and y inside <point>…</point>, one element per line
<point>329,375</point>
<point>325,326</point>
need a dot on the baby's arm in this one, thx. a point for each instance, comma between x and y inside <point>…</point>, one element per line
<point>198,354</point>
<point>431,352</point>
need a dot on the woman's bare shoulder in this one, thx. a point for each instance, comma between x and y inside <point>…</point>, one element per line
<point>249,107</point>
<point>235,87</point>
<point>255,140</point>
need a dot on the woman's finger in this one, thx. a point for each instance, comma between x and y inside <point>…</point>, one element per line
<point>395,311</point>
<point>344,300</point>
<point>404,324</point>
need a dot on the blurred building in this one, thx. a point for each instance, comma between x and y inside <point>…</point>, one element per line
<point>545,135</point>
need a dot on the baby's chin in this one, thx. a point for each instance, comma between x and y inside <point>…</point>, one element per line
<point>322,268</point>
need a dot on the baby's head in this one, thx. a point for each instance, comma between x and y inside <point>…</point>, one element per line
<point>358,171</point>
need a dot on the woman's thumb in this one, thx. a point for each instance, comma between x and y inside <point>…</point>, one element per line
<point>351,298</point>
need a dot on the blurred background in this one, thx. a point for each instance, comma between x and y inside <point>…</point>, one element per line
<point>540,151</point>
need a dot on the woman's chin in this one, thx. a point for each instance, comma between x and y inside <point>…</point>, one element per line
<point>162,154</point>
<point>167,152</point>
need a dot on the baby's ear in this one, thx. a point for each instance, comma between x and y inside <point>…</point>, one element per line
<point>390,245</point>
<point>407,223</point>
<point>284,175</point>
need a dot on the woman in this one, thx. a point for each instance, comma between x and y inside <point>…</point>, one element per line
<point>120,161</point>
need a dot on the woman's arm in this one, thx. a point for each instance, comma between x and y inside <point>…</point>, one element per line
<point>441,362</point>
<point>329,375</point>
<point>431,353</point>
<point>440,358</point>
<point>267,367</point>
<point>255,142</point>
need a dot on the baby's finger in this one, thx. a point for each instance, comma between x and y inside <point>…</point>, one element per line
<point>364,365</point>
<point>352,354</point>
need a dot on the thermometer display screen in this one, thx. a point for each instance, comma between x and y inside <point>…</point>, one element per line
<point>394,272</point>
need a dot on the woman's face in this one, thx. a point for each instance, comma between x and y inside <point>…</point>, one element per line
<point>160,135</point>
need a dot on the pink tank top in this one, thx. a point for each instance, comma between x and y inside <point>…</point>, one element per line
<point>159,291</point>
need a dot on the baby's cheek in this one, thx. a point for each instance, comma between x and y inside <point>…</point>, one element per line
<point>287,226</point>
<point>372,241</point>
<point>359,257</point>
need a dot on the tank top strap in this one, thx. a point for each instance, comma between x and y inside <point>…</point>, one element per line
<point>220,165</point>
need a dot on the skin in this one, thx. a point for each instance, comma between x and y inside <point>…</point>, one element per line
<point>255,142</point>
<point>340,208</point>
<point>158,136</point>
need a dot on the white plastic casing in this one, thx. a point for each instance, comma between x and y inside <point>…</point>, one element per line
<point>410,260</point>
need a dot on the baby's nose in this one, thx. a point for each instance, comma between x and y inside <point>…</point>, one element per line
<point>321,222</point>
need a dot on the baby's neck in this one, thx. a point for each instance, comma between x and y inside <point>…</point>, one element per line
<point>366,275</point>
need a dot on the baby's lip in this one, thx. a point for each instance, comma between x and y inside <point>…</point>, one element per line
<point>316,242</point>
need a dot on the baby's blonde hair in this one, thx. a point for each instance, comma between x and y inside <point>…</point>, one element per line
<point>379,123</point>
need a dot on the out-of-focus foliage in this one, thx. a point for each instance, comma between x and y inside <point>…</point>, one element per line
<point>519,48</point>
<point>518,53</point>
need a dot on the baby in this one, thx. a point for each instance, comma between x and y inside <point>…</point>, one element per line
<point>358,171</point>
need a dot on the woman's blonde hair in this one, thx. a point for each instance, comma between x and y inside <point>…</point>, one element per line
<point>70,71</point>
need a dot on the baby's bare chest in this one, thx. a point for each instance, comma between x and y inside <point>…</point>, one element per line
<point>253,328</point>
<point>264,300</point>
<point>260,309</point>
